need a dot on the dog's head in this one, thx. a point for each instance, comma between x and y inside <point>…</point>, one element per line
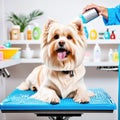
<point>63,47</point>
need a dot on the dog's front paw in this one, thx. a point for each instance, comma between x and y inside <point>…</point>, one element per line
<point>50,97</point>
<point>82,97</point>
<point>55,100</point>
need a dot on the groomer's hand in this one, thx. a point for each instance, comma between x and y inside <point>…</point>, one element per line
<point>101,10</point>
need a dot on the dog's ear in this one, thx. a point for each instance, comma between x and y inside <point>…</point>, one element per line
<point>45,32</point>
<point>79,26</point>
<point>49,22</point>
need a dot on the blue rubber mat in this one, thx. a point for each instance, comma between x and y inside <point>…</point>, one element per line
<point>20,100</point>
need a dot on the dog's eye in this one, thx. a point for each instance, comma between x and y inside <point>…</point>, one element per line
<point>56,36</point>
<point>69,37</point>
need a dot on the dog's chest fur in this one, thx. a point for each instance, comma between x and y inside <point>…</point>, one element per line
<point>64,84</point>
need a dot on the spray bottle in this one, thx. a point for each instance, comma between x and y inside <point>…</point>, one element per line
<point>89,15</point>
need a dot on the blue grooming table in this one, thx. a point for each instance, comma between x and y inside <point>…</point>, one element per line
<point>20,101</point>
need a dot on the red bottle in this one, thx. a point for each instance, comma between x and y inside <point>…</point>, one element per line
<point>112,36</point>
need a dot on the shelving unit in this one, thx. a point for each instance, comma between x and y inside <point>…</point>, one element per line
<point>24,42</point>
<point>11,62</point>
<point>104,63</point>
<point>7,63</point>
<point>34,60</point>
<point>103,41</point>
<point>87,64</point>
<point>89,42</point>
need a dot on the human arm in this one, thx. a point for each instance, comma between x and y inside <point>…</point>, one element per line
<point>111,16</point>
<point>101,10</point>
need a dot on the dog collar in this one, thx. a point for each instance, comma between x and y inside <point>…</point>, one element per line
<point>71,73</point>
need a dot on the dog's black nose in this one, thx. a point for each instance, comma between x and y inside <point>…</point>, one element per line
<point>61,43</point>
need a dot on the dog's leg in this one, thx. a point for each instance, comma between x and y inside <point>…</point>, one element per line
<point>47,95</point>
<point>82,95</point>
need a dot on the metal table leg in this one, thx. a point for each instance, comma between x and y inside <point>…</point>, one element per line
<point>59,118</point>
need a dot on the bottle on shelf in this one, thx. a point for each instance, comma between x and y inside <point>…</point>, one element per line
<point>112,36</point>
<point>27,53</point>
<point>36,31</point>
<point>15,32</point>
<point>97,53</point>
<point>86,32</point>
<point>93,34</point>
<point>110,55</point>
<point>107,34</point>
<point>115,56</point>
<point>29,33</point>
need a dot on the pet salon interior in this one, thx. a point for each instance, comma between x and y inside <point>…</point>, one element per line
<point>20,52</point>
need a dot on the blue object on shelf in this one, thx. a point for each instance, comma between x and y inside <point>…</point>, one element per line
<point>20,100</point>
<point>86,32</point>
<point>107,34</point>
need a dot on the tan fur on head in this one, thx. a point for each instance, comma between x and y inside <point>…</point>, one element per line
<point>72,36</point>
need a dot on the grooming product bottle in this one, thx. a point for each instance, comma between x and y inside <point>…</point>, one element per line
<point>29,33</point>
<point>89,15</point>
<point>15,32</point>
<point>115,56</point>
<point>93,35</point>
<point>107,34</point>
<point>97,53</point>
<point>36,31</point>
<point>86,32</point>
<point>110,55</point>
<point>27,53</point>
<point>112,36</point>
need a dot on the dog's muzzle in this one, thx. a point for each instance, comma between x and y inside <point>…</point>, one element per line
<point>62,53</point>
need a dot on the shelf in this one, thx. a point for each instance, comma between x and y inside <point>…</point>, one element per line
<point>24,41</point>
<point>34,60</point>
<point>104,63</point>
<point>103,41</point>
<point>87,64</point>
<point>88,41</point>
<point>8,63</point>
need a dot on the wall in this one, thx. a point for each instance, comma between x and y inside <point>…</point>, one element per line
<point>2,21</point>
<point>1,41</point>
<point>64,11</point>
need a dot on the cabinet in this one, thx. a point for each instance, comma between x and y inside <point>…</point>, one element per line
<point>104,44</point>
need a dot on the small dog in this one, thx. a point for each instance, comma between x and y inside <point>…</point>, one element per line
<point>61,75</point>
